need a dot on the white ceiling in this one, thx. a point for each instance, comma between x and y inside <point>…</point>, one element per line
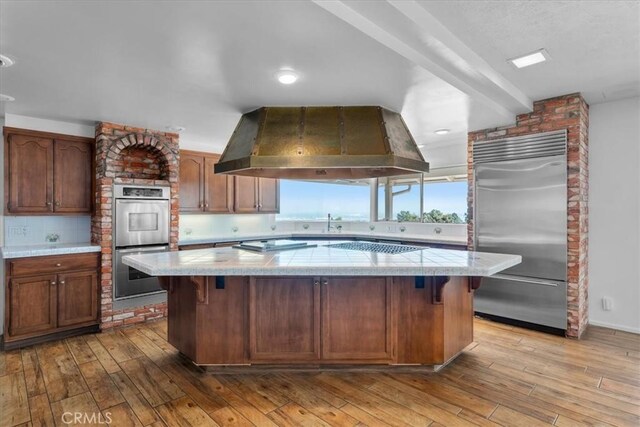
<point>201,64</point>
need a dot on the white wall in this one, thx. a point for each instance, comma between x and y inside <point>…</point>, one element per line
<point>614,213</point>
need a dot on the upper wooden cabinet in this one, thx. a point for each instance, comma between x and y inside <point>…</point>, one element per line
<point>255,195</point>
<point>201,190</point>
<point>47,173</point>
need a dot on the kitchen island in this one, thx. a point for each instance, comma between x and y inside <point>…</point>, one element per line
<point>321,305</point>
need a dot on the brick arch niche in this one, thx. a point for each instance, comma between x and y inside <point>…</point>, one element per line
<point>130,155</point>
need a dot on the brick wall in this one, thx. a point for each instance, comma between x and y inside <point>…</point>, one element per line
<point>127,154</point>
<point>569,112</point>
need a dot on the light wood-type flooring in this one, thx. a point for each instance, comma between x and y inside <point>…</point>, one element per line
<point>508,376</point>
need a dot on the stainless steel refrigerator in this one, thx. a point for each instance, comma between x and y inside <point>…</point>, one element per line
<point>520,207</point>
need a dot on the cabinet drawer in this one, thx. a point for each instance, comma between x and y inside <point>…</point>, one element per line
<point>52,264</point>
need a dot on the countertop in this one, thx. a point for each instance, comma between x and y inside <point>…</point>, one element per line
<point>404,237</point>
<point>321,260</point>
<point>9,252</point>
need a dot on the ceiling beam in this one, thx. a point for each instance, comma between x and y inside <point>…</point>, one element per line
<point>407,28</point>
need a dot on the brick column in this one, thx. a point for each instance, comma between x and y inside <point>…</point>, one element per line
<point>126,154</point>
<point>569,112</point>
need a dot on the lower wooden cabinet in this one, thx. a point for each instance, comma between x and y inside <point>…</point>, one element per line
<point>284,319</point>
<point>49,295</point>
<point>32,304</point>
<point>364,304</point>
<point>389,320</point>
<point>77,298</point>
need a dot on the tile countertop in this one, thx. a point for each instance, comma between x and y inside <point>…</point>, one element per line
<point>450,240</point>
<point>9,252</point>
<point>321,260</point>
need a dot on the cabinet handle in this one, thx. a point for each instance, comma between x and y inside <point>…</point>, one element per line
<point>57,203</point>
<point>52,283</point>
<point>62,282</point>
<point>206,205</point>
<point>260,206</point>
<point>316,282</point>
<point>325,282</point>
<point>48,203</point>
<point>255,206</point>
<point>58,265</point>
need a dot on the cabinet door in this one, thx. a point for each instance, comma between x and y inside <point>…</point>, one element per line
<point>77,298</point>
<point>32,305</point>
<point>246,194</point>
<point>72,184</point>
<point>284,319</point>
<point>269,194</point>
<point>356,318</point>
<point>191,183</point>
<point>30,174</point>
<point>218,189</point>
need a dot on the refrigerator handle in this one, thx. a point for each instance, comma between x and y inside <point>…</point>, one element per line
<point>525,280</point>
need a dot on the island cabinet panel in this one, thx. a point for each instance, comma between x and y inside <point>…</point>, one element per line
<point>225,310</point>
<point>284,319</point>
<point>357,319</point>
<point>77,302</point>
<point>458,316</point>
<point>420,323</point>
<point>32,304</point>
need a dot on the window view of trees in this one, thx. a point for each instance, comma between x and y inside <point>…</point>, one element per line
<point>433,216</point>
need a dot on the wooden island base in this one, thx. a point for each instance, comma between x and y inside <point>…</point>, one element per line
<point>320,322</point>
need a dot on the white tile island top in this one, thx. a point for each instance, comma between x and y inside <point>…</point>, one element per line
<point>321,260</point>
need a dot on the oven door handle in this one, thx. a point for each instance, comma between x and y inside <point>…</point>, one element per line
<point>145,249</point>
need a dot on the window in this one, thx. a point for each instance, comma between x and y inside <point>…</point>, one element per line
<point>445,201</point>
<point>418,198</point>
<point>399,198</point>
<point>313,200</point>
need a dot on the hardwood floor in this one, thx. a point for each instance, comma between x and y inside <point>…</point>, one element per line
<point>508,376</point>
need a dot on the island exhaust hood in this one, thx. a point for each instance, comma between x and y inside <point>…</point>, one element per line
<point>321,143</point>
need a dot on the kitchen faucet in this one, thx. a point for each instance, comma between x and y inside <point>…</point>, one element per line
<point>329,226</point>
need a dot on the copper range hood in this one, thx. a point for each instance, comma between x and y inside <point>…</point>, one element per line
<point>321,143</point>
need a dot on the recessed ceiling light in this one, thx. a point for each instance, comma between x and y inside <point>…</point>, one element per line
<point>6,98</point>
<point>5,61</point>
<point>287,76</point>
<point>441,131</point>
<point>532,58</point>
<point>176,128</point>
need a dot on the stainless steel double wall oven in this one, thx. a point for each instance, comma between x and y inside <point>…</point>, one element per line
<point>142,218</point>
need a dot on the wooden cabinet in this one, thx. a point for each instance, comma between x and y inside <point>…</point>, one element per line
<point>191,182</point>
<point>47,173</point>
<point>364,304</point>
<point>49,297</point>
<point>284,319</point>
<point>330,320</point>
<point>200,189</point>
<point>32,304</point>
<point>255,195</point>
<point>77,297</point>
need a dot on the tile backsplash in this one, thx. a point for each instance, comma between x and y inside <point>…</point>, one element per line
<point>33,230</point>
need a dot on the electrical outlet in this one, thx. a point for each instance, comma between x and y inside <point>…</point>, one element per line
<point>607,304</point>
<point>18,231</point>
